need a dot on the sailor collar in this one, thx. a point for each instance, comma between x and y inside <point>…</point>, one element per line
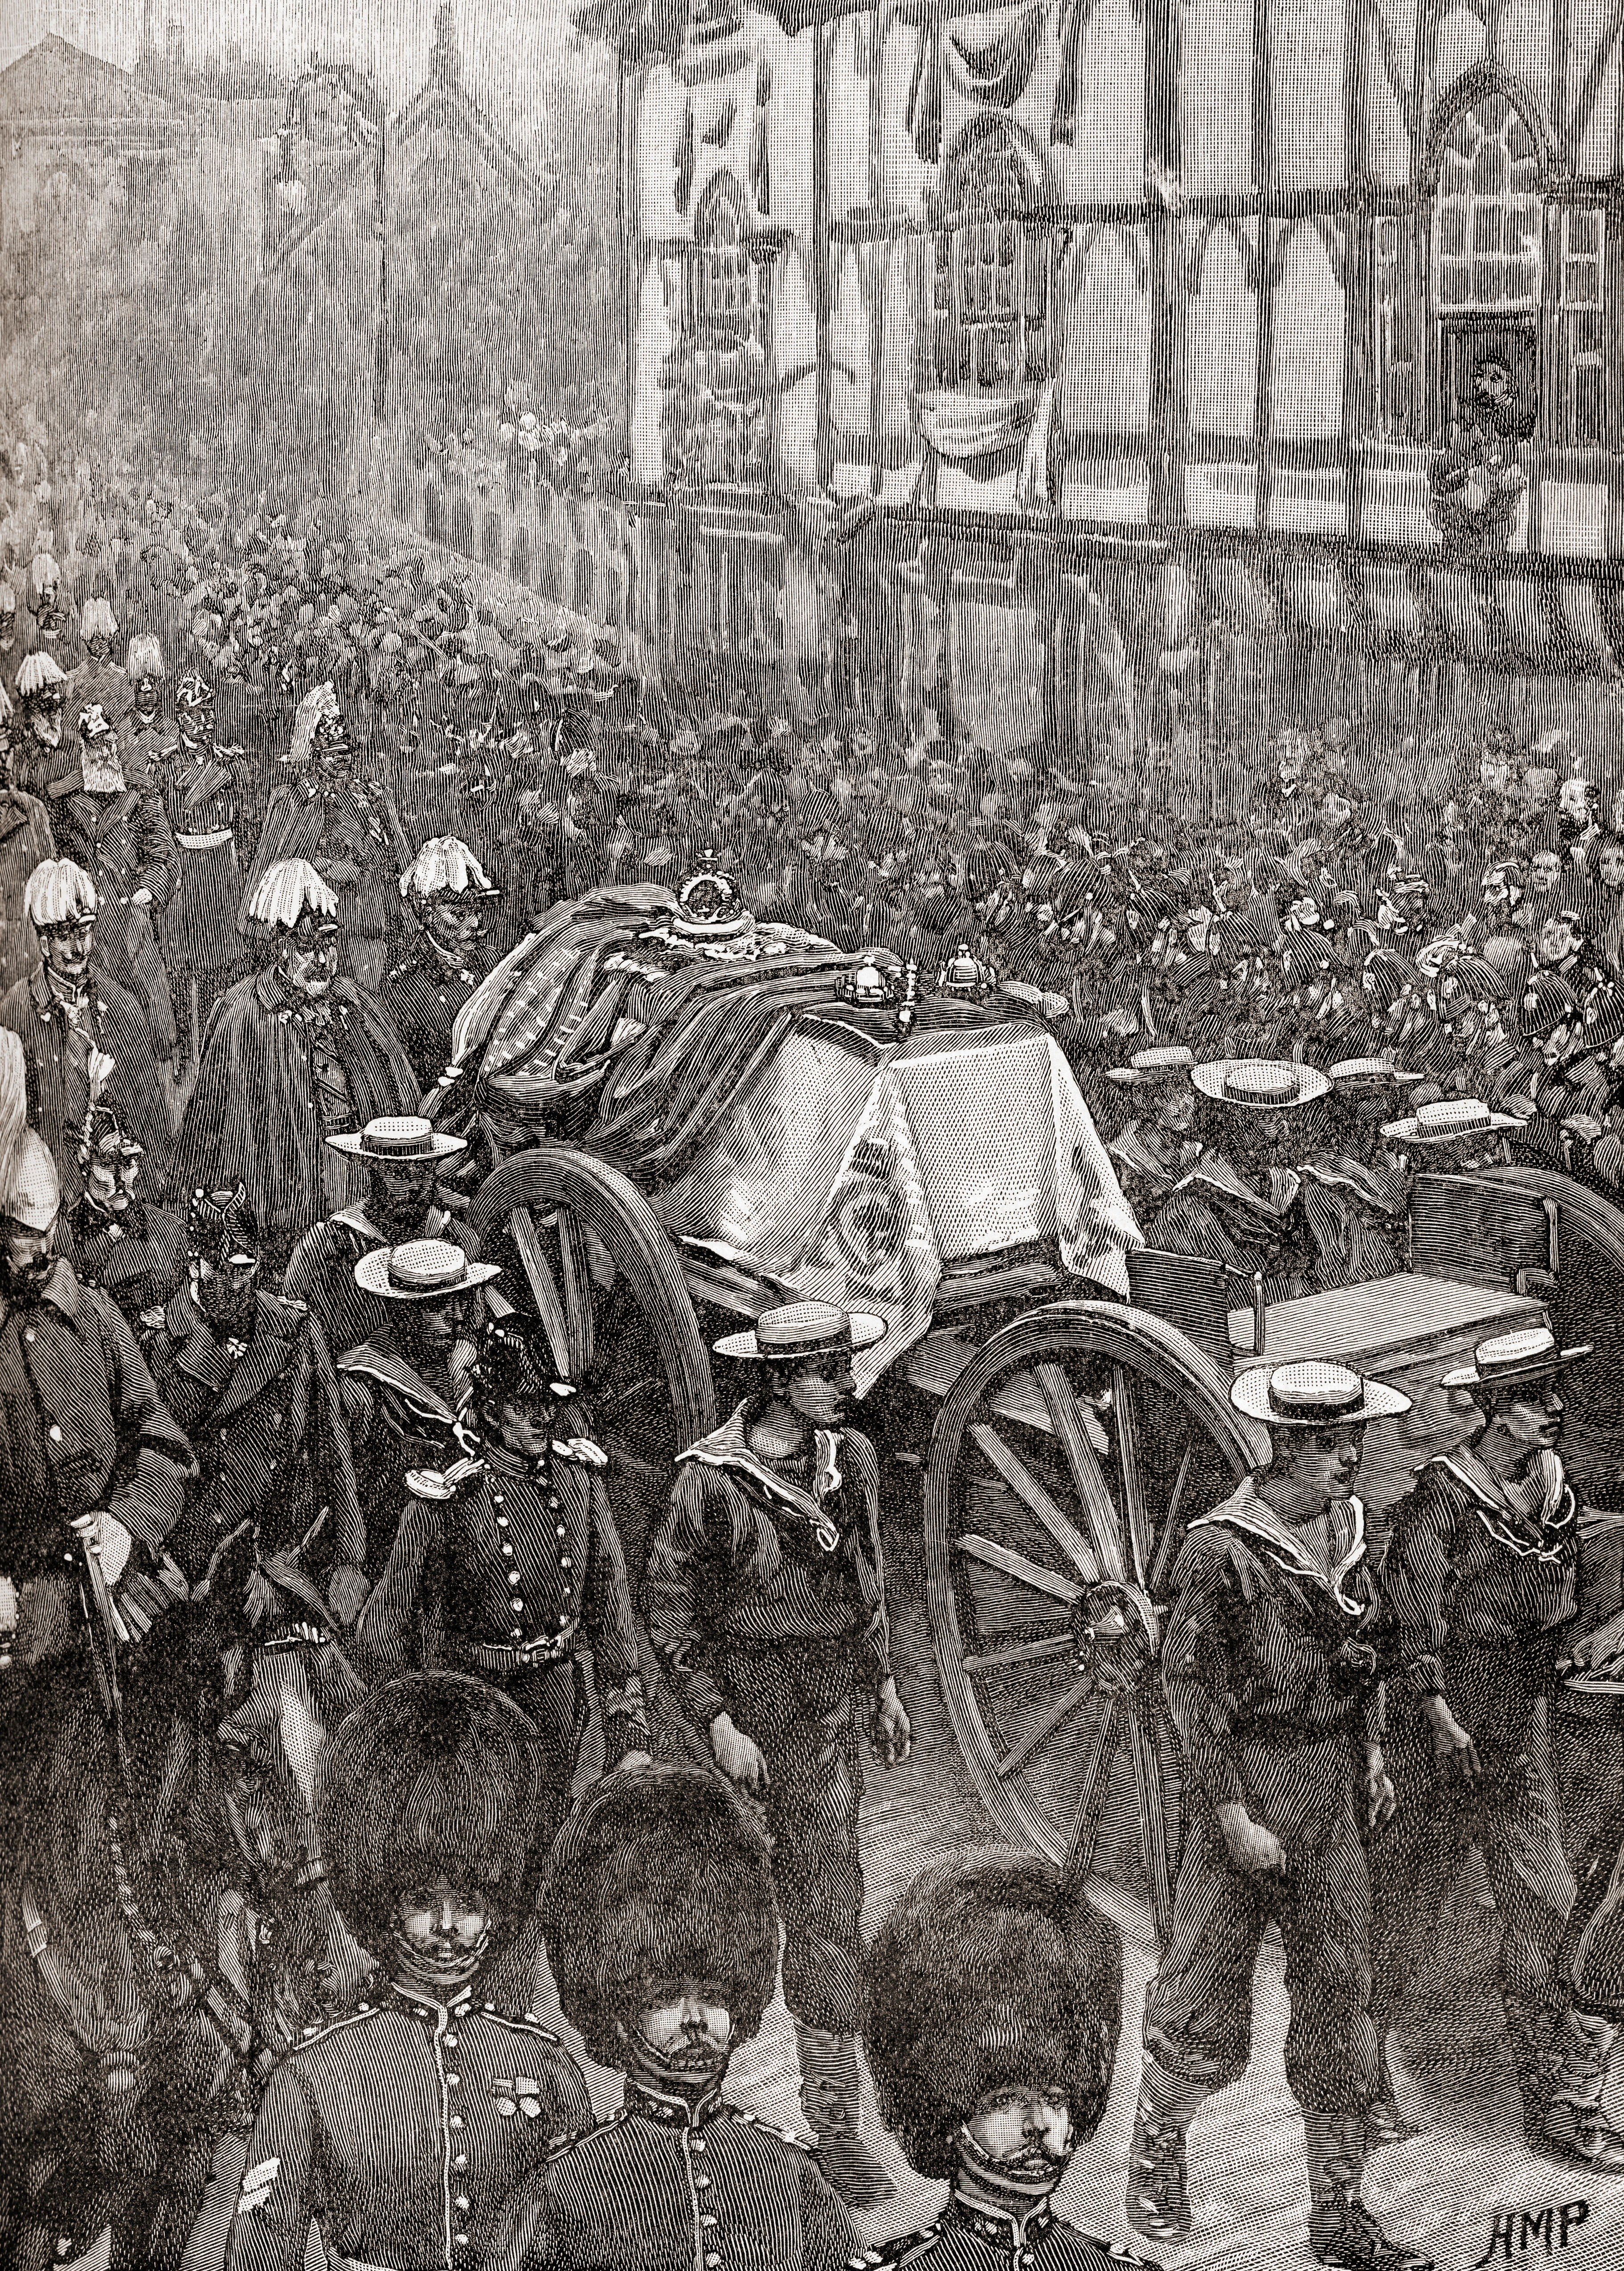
<point>728,1447</point>
<point>357,1218</point>
<point>1543,1534</point>
<point>669,2111</point>
<point>1247,1511</point>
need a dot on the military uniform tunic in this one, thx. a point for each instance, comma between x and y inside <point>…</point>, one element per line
<point>507,1580</point>
<point>665,2187</point>
<point>139,1258</point>
<point>966,2238</point>
<point>402,2130</point>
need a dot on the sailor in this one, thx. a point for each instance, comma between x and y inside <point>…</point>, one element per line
<point>403,1155</point>
<point>662,1934</point>
<point>1238,1203</point>
<point>766,1607</point>
<point>509,1565</point>
<point>1158,1146</point>
<point>401,2129</point>
<point>1481,1578</point>
<point>994,2001</point>
<point>407,1387</point>
<point>1270,1673</point>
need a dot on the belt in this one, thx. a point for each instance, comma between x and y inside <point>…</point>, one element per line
<point>522,1655</point>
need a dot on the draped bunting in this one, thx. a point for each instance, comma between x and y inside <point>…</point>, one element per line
<point>995,69</point>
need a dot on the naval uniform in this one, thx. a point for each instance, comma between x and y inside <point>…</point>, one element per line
<point>1271,1679</point>
<point>321,1272</point>
<point>1480,1577</point>
<point>966,2238</point>
<point>667,2187</point>
<point>401,2130</point>
<point>507,1580</point>
<point>766,1599</point>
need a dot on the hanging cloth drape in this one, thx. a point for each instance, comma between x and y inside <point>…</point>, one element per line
<point>995,69</point>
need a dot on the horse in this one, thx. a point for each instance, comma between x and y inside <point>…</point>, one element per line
<point>162,1939</point>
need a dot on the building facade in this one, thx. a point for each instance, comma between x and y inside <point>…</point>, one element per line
<point>1313,309</point>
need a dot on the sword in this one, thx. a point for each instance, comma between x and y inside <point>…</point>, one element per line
<point>105,1628</point>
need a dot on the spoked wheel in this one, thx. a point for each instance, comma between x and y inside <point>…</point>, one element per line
<point>582,1252</point>
<point>1064,1467</point>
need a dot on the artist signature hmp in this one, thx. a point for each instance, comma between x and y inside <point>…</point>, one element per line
<point>1519,2232</point>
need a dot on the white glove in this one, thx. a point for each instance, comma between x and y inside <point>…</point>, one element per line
<point>108,1540</point>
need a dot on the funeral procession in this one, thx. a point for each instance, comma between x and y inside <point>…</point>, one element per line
<point>811,1134</point>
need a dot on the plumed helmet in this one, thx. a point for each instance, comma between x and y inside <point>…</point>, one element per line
<point>516,1362</point>
<point>39,673</point>
<point>56,891</point>
<point>144,658</point>
<point>221,1226</point>
<point>104,1131</point>
<point>98,620</point>
<point>434,1775</point>
<point>658,1875</point>
<point>30,1193</point>
<point>321,701</point>
<point>285,891</point>
<point>43,572</point>
<point>193,691</point>
<point>986,1974</point>
<point>445,866</point>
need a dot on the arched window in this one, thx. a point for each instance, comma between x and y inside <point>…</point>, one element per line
<point>1489,214</point>
<point>992,281</point>
<point>724,304</point>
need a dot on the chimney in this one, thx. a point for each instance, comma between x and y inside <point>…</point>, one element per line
<point>445,62</point>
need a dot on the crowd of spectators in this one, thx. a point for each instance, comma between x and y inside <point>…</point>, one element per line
<point>1475,941</point>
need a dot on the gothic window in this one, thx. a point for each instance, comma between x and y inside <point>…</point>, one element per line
<point>724,302</point>
<point>1489,214</point>
<point>1394,326</point>
<point>992,285</point>
<point>1581,317</point>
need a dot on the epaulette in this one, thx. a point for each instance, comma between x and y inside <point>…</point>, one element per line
<point>529,2024</point>
<point>789,2136</point>
<point>568,2139</point>
<point>891,2255</point>
<point>311,2036</point>
<point>580,1451</point>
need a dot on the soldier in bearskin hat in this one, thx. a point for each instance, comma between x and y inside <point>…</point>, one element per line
<point>401,2129</point>
<point>994,2001</point>
<point>662,1933</point>
<point>509,1566</point>
<point>766,1607</point>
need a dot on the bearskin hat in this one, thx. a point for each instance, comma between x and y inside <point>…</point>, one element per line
<point>987,1975</point>
<point>434,1775</point>
<point>658,1876</point>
